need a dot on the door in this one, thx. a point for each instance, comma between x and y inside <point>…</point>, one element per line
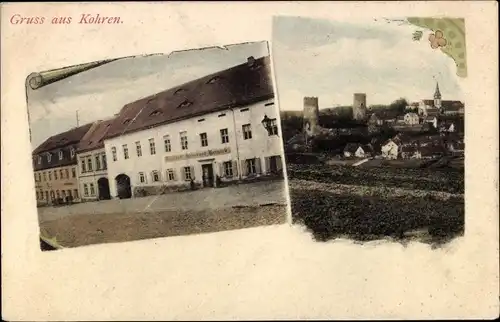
<point>208,175</point>
<point>273,164</point>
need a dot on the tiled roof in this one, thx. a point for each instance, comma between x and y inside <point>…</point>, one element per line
<point>63,139</point>
<point>241,85</point>
<point>452,105</point>
<point>95,136</point>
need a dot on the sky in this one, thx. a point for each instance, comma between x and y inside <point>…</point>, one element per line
<point>101,92</point>
<point>332,60</point>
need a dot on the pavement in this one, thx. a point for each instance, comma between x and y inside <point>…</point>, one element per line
<point>249,194</point>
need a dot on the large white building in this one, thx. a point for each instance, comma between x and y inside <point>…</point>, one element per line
<point>210,131</point>
<point>92,163</point>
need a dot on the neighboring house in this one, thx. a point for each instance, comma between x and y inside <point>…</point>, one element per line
<point>432,120</point>
<point>452,107</point>
<point>431,152</point>
<point>92,163</point>
<point>375,120</point>
<point>55,167</point>
<point>221,126</point>
<point>410,152</point>
<point>354,150</point>
<point>457,148</point>
<point>390,150</point>
<point>411,119</point>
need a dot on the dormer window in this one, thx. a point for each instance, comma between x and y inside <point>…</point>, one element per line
<point>60,155</point>
<point>127,121</point>
<point>72,151</point>
<point>185,104</point>
<point>39,159</point>
<point>49,157</point>
<point>213,80</point>
<point>155,113</point>
<point>180,90</point>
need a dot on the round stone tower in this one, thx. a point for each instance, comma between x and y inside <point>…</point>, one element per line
<point>359,106</point>
<point>311,115</point>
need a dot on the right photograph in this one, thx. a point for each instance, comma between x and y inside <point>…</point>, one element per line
<point>372,119</point>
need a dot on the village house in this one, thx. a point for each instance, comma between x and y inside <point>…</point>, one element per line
<point>410,152</point>
<point>432,120</point>
<point>55,167</point>
<point>411,118</point>
<point>92,163</point>
<point>216,129</point>
<point>390,150</point>
<point>456,148</point>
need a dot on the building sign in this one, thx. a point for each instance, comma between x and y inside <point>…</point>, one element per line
<point>200,154</point>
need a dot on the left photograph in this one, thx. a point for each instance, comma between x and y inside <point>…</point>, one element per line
<point>155,146</point>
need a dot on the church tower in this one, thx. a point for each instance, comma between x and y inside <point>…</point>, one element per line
<point>437,97</point>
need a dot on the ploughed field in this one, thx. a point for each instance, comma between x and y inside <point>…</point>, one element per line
<point>374,203</point>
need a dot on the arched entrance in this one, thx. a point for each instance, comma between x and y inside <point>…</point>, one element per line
<point>103,187</point>
<point>123,186</point>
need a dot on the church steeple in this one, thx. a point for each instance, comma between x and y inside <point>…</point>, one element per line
<point>437,93</point>
<point>437,96</point>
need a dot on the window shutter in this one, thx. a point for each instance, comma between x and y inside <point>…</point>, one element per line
<point>192,172</point>
<point>221,170</point>
<point>183,173</point>
<point>267,161</point>
<point>243,168</point>
<point>258,166</point>
<point>235,169</point>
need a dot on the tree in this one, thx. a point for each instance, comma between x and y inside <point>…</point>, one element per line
<point>399,105</point>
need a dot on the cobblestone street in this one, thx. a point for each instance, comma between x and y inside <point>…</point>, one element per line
<point>250,194</point>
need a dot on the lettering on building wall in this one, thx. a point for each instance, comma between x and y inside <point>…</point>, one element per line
<point>198,154</point>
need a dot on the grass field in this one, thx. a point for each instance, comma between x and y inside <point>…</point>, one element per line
<point>375,203</point>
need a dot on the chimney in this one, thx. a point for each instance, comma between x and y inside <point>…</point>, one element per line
<point>250,61</point>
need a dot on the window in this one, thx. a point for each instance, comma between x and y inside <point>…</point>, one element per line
<point>113,152</point>
<point>221,115</point>
<point>125,151</point>
<point>35,177</point>
<point>251,168</point>
<point>170,174</point>
<point>50,175</point>
<point>73,172</point>
<point>49,157</point>
<point>187,173</point>
<point>55,174</point>
<point>85,190</point>
<point>98,162</point>
<point>152,147</point>
<point>155,176</point>
<point>273,127</point>
<point>224,135</point>
<point>142,178</point>
<point>166,141</point>
<point>45,176</point>
<point>204,139</point>
<point>228,169</point>
<point>247,131</point>
<point>37,197</point>
<point>104,163</point>
<point>61,174</point>
<point>89,164</point>
<point>75,192</point>
<point>201,120</point>
<point>58,194</point>
<point>244,109</point>
<point>39,177</point>
<point>70,195</point>
<point>184,140</point>
<point>269,104</point>
<point>138,149</point>
<point>67,173</point>
<point>72,153</point>
<point>92,191</point>
<point>84,166</point>
<point>39,159</point>
<point>60,155</point>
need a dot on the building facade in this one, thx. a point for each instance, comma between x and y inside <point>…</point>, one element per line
<point>206,133</point>
<point>93,164</point>
<point>55,168</point>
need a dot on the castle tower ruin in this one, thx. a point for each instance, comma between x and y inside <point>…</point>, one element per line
<point>359,106</point>
<point>311,115</point>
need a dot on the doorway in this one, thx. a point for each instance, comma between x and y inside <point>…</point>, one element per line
<point>123,186</point>
<point>103,187</point>
<point>207,171</point>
